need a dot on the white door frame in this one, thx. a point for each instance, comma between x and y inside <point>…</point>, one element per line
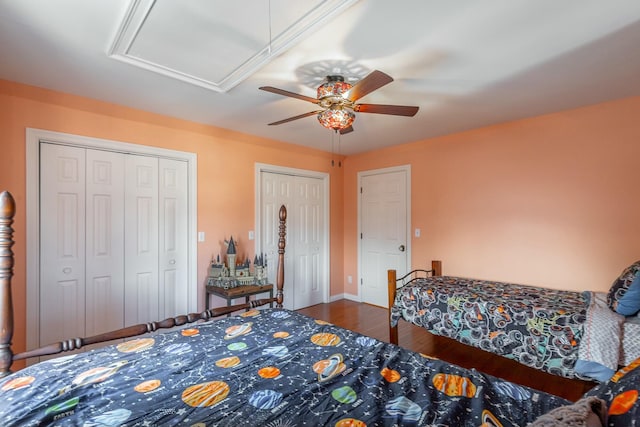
<point>33,138</point>
<point>407,170</point>
<point>263,167</point>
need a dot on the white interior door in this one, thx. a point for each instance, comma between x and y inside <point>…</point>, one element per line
<point>142,294</point>
<point>79,245</point>
<point>173,238</point>
<point>307,239</point>
<point>272,192</point>
<point>62,280</point>
<point>114,240</point>
<point>104,241</point>
<point>384,236</point>
<point>306,272</point>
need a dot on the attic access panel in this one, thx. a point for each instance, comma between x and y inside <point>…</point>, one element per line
<point>215,44</point>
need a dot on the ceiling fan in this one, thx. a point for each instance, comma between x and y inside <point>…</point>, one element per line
<point>337,100</point>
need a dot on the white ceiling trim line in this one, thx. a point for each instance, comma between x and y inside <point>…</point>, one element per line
<point>139,10</point>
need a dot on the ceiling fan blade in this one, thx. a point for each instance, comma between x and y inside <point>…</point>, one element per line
<point>346,130</point>
<point>396,110</point>
<point>375,80</point>
<point>290,119</point>
<point>287,93</point>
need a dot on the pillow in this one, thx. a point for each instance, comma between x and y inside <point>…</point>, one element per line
<point>621,395</point>
<point>621,286</point>
<point>629,304</point>
<point>587,412</point>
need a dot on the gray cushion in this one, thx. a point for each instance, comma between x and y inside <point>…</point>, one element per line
<point>586,412</point>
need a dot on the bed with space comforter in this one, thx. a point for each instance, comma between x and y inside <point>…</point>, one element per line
<point>276,367</point>
<point>264,367</point>
<point>567,333</point>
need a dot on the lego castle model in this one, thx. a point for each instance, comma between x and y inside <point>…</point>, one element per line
<point>233,274</point>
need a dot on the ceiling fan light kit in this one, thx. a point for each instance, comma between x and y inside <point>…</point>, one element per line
<point>338,100</point>
<point>336,118</point>
<point>331,96</point>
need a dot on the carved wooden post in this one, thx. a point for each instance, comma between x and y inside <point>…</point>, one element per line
<point>281,244</point>
<point>7,212</point>
<point>436,267</point>
<point>391,295</point>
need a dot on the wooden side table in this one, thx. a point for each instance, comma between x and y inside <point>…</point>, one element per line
<point>238,292</point>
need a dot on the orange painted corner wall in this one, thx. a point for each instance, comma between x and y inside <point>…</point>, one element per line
<point>225,170</point>
<point>550,201</point>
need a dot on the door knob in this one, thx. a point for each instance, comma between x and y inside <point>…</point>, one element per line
<point>173,261</point>
<point>401,248</point>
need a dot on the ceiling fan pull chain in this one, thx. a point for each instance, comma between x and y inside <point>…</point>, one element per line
<point>339,150</point>
<point>332,151</point>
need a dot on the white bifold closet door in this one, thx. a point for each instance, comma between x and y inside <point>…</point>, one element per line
<point>113,239</point>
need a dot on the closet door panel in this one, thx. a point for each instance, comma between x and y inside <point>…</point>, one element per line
<point>277,189</point>
<point>305,278</point>
<point>309,241</point>
<point>173,235</point>
<point>141,242</point>
<point>104,241</point>
<point>62,244</point>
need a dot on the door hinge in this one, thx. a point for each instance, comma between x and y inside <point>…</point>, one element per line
<point>360,190</point>
<point>360,236</point>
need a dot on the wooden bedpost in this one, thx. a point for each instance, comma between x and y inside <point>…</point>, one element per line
<point>281,244</point>
<point>7,212</point>
<point>391,285</point>
<point>436,268</point>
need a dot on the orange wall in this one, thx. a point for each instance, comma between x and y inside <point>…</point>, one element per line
<point>226,162</point>
<point>552,200</point>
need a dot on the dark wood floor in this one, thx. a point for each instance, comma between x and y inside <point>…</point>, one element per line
<point>373,321</point>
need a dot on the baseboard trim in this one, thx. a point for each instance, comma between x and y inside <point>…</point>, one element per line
<point>349,297</point>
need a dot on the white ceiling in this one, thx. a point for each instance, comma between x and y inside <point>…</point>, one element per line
<point>465,63</point>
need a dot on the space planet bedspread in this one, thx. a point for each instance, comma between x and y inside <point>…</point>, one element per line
<point>264,368</point>
<point>538,327</point>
